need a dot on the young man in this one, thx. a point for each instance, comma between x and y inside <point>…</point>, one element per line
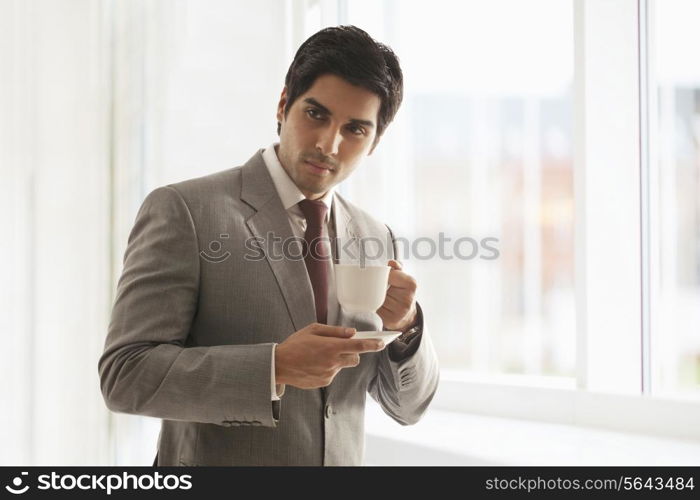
<point>250,361</point>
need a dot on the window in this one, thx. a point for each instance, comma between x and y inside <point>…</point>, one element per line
<point>675,196</point>
<point>482,148</point>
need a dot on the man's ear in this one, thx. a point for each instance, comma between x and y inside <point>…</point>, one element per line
<point>281,104</point>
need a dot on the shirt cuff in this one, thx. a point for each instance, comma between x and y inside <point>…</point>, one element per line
<point>276,390</point>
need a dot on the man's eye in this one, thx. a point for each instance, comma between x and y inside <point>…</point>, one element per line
<point>314,113</point>
<point>356,130</point>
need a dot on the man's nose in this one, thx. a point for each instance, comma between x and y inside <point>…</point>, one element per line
<point>329,140</point>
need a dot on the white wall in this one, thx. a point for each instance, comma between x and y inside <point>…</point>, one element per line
<point>101,101</point>
<point>55,192</point>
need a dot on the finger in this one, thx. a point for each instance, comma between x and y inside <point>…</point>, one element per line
<point>400,294</point>
<point>334,331</point>
<point>400,279</point>
<point>388,309</point>
<point>389,306</point>
<point>392,312</point>
<point>351,346</point>
<point>350,360</point>
<point>397,306</point>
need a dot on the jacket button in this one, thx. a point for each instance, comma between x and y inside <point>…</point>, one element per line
<point>329,411</point>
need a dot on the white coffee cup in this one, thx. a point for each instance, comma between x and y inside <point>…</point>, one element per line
<point>361,288</point>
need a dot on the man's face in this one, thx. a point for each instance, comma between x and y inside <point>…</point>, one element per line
<point>326,133</point>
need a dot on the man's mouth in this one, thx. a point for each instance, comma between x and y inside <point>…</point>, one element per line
<point>318,168</point>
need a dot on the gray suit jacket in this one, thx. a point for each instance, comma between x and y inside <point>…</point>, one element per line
<point>193,325</point>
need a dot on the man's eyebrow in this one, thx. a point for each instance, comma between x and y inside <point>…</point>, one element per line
<point>356,121</point>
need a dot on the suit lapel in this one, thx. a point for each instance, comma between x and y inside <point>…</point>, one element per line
<point>270,220</point>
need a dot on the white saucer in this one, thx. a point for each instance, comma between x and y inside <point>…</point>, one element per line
<point>386,336</point>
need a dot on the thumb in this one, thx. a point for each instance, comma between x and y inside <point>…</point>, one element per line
<point>395,264</point>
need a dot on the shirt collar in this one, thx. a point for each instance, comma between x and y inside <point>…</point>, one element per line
<point>288,192</point>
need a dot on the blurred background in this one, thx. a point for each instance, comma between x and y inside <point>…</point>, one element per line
<point>567,130</point>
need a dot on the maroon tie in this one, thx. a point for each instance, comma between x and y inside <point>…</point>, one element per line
<point>316,256</point>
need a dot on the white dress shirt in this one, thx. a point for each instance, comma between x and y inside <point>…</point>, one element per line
<point>290,195</point>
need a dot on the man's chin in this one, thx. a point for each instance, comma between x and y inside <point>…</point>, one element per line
<point>312,184</point>
<point>315,189</point>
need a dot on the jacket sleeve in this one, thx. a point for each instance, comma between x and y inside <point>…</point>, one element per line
<point>404,384</point>
<point>146,367</point>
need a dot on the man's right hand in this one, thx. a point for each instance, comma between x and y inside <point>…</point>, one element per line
<point>312,357</point>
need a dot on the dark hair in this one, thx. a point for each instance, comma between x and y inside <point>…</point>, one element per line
<point>351,54</point>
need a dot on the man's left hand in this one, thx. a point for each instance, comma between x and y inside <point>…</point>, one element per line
<point>398,312</point>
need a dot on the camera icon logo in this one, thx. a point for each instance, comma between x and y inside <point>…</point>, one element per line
<point>215,248</point>
<point>17,482</point>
